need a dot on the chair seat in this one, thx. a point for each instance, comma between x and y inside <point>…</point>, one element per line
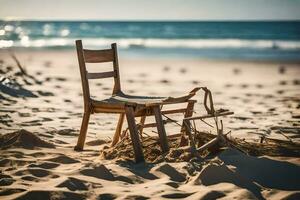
<point>117,102</point>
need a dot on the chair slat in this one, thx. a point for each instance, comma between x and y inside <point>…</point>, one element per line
<point>101,75</point>
<point>98,56</point>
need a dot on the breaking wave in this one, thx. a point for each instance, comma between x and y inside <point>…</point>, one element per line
<point>126,43</point>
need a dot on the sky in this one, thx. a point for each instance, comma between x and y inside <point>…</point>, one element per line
<point>150,9</point>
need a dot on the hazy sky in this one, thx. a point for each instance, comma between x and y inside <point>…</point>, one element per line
<point>151,9</point>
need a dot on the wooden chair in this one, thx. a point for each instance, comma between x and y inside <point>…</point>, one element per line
<point>122,104</point>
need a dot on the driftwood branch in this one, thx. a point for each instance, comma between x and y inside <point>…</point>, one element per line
<point>22,69</point>
<point>219,140</point>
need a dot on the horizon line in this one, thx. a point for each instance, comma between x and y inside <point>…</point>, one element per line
<point>152,20</point>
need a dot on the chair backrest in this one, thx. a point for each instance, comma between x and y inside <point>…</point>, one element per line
<point>97,56</point>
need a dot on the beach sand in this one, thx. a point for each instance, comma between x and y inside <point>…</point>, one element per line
<point>45,113</point>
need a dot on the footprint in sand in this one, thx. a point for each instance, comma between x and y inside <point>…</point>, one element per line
<point>259,86</point>
<point>48,64</point>
<point>6,180</point>
<point>296,116</point>
<point>60,79</point>
<point>280,91</point>
<point>63,118</point>
<point>5,162</point>
<point>44,93</point>
<point>35,172</point>
<point>234,97</point>
<point>107,196</point>
<point>195,82</point>
<point>282,82</point>
<point>212,195</point>
<point>29,178</point>
<point>176,195</point>
<point>66,132</point>
<point>242,118</point>
<point>48,79</point>
<point>6,120</point>
<point>166,68</point>
<point>236,71</point>
<point>136,197</point>
<point>130,81</point>
<point>164,81</point>
<point>143,75</point>
<point>102,172</point>
<point>63,159</point>
<point>24,115</point>
<point>214,174</point>
<point>10,191</point>
<point>296,82</point>
<point>269,96</point>
<point>97,142</point>
<point>271,109</point>
<point>172,173</point>
<point>45,165</point>
<point>56,141</point>
<point>173,184</point>
<point>31,123</point>
<point>35,110</point>
<point>98,172</point>
<point>43,194</point>
<point>74,184</point>
<point>244,85</point>
<point>67,100</point>
<point>282,69</point>
<point>183,70</point>
<point>39,73</point>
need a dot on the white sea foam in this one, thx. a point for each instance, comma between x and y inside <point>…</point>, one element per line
<point>157,43</point>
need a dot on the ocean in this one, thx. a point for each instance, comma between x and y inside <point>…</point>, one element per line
<point>213,40</point>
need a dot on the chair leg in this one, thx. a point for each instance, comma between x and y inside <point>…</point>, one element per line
<point>137,147</point>
<point>191,138</point>
<point>83,130</point>
<point>142,122</point>
<point>118,130</point>
<point>188,113</point>
<point>161,129</point>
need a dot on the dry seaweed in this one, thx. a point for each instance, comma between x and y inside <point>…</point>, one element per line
<point>153,154</point>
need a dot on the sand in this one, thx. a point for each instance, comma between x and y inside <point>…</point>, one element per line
<point>40,116</point>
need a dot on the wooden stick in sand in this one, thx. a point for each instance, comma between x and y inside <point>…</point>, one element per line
<point>14,57</point>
